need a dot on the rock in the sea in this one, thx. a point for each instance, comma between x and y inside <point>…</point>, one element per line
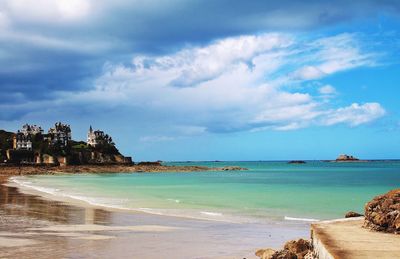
<point>297,162</point>
<point>344,157</point>
<point>233,168</point>
<point>265,253</point>
<point>157,163</point>
<point>383,213</point>
<point>352,214</point>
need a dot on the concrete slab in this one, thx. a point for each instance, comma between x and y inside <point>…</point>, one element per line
<point>347,239</point>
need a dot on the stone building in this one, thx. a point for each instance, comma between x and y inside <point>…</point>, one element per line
<point>22,141</point>
<point>61,133</point>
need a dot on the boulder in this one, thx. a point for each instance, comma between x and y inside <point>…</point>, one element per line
<point>265,253</point>
<point>383,213</point>
<point>284,254</point>
<point>300,247</point>
<point>352,214</point>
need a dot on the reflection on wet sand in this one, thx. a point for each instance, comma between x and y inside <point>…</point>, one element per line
<point>21,213</point>
<point>13,202</point>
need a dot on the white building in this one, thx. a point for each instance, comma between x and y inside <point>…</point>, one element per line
<point>31,129</point>
<point>61,133</point>
<point>23,138</point>
<point>22,141</point>
<point>94,137</point>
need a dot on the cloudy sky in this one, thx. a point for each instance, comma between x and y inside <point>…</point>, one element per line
<point>207,79</point>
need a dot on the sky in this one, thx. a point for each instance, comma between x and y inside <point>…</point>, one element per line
<point>185,80</point>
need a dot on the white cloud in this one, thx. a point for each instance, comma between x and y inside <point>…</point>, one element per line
<point>355,114</point>
<point>48,10</point>
<point>327,90</point>
<point>333,54</point>
<point>308,73</point>
<point>4,20</point>
<point>229,85</point>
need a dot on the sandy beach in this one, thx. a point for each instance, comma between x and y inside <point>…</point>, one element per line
<point>33,226</point>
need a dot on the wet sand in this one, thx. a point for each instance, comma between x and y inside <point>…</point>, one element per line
<point>32,226</point>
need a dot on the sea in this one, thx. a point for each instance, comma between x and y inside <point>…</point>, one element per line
<point>269,191</point>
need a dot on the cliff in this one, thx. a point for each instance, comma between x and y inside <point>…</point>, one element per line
<point>45,153</point>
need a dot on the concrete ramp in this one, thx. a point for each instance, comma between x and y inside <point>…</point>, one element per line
<point>346,239</point>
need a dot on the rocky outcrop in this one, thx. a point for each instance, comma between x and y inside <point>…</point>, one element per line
<point>344,158</point>
<point>96,157</point>
<point>284,254</point>
<point>156,163</point>
<point>383,213</point>
<point>352,214</point>
<point>299,249</point>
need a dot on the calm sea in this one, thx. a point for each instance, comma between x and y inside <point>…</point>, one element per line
<point>275,191</point>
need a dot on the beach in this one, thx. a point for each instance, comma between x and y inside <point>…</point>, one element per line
<point>113,212</point>
<point>33,226</point>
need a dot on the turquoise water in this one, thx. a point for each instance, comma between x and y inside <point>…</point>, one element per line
<point>267,191</point>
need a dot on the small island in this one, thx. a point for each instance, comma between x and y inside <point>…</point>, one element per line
<point>297,162</point>
<point>343,158</point>
<point>346,158</point>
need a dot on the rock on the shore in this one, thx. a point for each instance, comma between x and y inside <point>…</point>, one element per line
<point>284,254</point>
<point>300,247</point>
<point>383,213</point>
<point>156,163</point>
<point>265,253</point>
<point>352,214</point>
<point>292,250</point>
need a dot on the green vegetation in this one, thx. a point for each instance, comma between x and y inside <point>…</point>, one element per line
<point>40,145</point>
<point>6,142</point>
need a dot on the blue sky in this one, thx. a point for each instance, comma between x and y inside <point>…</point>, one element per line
<point>207,80</point>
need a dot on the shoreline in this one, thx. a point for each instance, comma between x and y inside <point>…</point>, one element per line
<point>14,170</point>
<point>79,223</point>
<point>206,215</point>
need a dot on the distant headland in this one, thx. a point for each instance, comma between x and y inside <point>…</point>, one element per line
<point>31,146</point>
<point>31,151</point>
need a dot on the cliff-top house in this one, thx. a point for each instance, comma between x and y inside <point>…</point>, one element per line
<point>61,133</point>
<point>96,137</point>
<point>23,138</point>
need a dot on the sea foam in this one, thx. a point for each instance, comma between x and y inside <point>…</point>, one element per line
<point>301,219</point>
